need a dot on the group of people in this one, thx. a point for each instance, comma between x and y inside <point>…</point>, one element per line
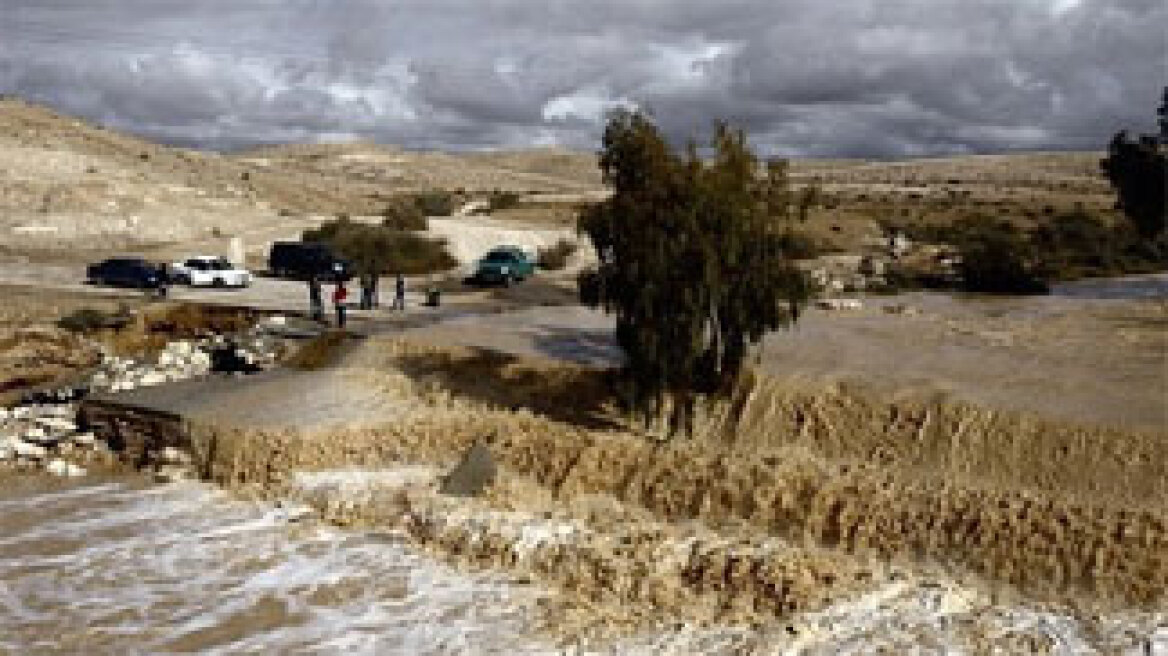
<point>340,296</point>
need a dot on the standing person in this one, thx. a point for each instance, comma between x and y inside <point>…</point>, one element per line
<point>315,298</point>
<point>399,293</point>
<point>163,281</point>
<point>340,294</point>
<point>367,290</point>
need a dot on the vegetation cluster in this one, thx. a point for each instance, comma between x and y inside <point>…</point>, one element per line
<point>693,261</point>
<point>381,249</point>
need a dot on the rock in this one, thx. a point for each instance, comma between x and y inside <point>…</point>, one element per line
<point>836,304</point>
<point>172,474</point>
<point>36,434</point>
<point>901,308</point>
<point>870,266</point>
<point>152,378</point>
<point>173,456</point>
<point>84,439</point>
<point>472,475</point>
<point>62,468</point>
<point>181,349</point>
<point>57,424</point>
<point>28,449</point>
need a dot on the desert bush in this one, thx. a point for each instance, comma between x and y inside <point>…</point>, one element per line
<point>85,321</point>
<point>1078,244</point>
<point>403,214</point>
<point>383,249</point>
<point>997,258</point>
<point>800,246</point>
<point>436,203</point>
<point>319,352</point>
<point>555,257</point>
<point>186,320</point>
<point>503,200</point>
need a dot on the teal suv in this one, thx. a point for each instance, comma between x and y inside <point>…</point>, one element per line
<point>503,265</point>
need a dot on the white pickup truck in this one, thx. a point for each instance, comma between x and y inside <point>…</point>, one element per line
<point>209,271</point>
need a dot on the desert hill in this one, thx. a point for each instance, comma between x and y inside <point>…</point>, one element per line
<point>68,184</point>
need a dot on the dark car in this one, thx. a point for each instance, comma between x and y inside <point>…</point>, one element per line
<point>126,272</point>
<point>301,260</point>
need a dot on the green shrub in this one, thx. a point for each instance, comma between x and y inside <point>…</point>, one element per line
<point>502,200</point>
<point>436,203</point>
<point>318,352</point>
<point>408,253</point>
<point>403,214</point>
<point>555,257</point>
<point>799,246</point>
<point>383,249</point>
<point>997,258</point>
<point>1077,244</point>
<point>85,321</point>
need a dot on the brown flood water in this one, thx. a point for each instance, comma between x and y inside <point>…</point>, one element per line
<point>115,567</point>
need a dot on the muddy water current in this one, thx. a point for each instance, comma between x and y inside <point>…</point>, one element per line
<point>113,567</point>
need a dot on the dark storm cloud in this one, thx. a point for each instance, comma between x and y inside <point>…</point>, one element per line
<point>804,77</point>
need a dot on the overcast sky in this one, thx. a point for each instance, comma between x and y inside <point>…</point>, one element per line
<point>883,78</point>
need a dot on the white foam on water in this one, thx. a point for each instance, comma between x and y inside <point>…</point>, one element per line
<point>111,569</point>
<point>919,617</point>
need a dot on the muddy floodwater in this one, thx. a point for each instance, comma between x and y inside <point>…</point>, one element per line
<point>117,568</point>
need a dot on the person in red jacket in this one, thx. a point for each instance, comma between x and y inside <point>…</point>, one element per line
<point>340,295</point>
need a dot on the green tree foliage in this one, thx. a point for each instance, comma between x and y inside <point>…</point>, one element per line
<point>503,200</point>
<point>381,249</point>
<point>692,262</point>
<point>404,214</point>
<point>997,258</point>
<point>1077,244</point>
<point>436,203</point>
<point>1138,169</point>
<point>555,257</point>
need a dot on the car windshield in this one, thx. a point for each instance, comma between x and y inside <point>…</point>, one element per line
<point>219,264</point>
<point>500,256</point>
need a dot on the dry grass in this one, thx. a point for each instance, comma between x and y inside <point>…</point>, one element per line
<point>155,325</point>
<point>319,352</point>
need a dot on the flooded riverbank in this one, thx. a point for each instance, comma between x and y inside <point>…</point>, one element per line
<point>115,567</point>
<point>1147,287</point>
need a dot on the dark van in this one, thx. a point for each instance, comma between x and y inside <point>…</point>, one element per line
<point>126,272</point>
<point>302,260</point>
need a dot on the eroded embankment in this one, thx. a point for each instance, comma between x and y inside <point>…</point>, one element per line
<point>1051,508</point>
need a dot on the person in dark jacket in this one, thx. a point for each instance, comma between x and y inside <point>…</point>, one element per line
<point>315,299</point>
<point>399,293</point>
<point>368,291</point>
<point>340,295</point>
